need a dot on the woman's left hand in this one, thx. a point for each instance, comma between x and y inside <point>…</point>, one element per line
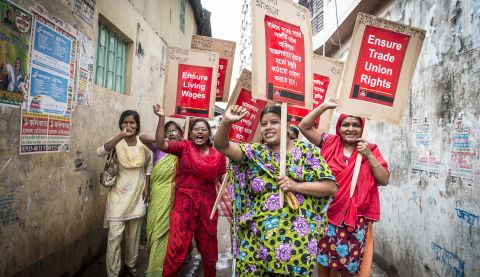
<point>145,194</point>
<point>286,184</point>
<point>362,147</point>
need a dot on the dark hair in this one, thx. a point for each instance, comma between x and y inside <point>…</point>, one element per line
<point>176,126</point>
<point>197,120</point>
<point>273,109</point>
<point>295,130</point>
<point>135,115</point>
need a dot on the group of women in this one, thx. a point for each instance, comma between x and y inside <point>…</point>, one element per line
<point>319,224</point>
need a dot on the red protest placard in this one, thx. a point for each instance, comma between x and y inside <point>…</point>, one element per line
<point>285,61</point>
<point>377,70</point>
<point>193,90</point>
<point>222,71</point>
<point>226,50</point>
<point>282,52</point>
<point>297,114</point>
<point>190,83</point>
<point>320,87</point>
<point>244,130</point>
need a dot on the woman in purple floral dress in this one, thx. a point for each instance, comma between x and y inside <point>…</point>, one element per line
<point>269,239</point>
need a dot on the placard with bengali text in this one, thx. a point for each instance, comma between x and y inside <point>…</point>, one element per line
<point>246,130</point>
<point>326,78</point>
<point>282,52</point>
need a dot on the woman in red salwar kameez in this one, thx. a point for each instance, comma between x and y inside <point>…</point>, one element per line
<point>343,246</point>
<point>199,168</point>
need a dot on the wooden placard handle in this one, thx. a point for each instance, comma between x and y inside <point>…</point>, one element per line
<point>219,196</point>
<point>283,148</point>
<point>186,127</point>
<point>358,163</point>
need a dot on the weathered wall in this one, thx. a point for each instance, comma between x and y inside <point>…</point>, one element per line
<point>52,212</point>
<point>169,23</point>
<point>430,211</point>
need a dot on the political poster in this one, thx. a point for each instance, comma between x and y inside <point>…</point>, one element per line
<point>85,9</point>
<point>326,78</point>
<point>51,70</point>
<point>226,49</point>
<point>46,115</point>
<point>190,83</point>
<point>379,68</point>
<point>85,70</point>
<point>15,29</point>
<point>246,130</point>
<point>282,52</point>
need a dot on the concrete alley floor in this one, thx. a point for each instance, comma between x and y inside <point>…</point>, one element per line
<point>193,268</point>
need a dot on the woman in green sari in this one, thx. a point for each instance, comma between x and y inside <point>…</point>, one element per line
<point>160,194</point>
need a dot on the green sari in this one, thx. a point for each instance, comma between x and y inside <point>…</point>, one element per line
<point>158,215</point>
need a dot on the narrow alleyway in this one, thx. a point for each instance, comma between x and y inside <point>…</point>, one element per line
<point>193,268</point>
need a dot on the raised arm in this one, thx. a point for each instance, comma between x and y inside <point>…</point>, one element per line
<point>147,139</point>
<point>160,133</point>
<point>306,125</point>
<point>109,145</point>
<point>230,149</point>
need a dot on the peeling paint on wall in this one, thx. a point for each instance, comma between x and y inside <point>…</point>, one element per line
<point>80,163</point>
<point>466,17</point>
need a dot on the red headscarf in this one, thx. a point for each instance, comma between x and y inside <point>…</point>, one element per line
<point>365,201</point>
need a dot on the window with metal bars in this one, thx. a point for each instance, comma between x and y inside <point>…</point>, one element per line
<point>111,60</point>
<point>317,16</point>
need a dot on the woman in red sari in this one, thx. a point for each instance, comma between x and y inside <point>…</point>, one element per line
<point>199,169</point>
<point>342,247</point>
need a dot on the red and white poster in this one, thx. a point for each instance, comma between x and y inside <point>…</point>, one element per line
<point>379,69</point>
<point>320,86</point>
<point>226,50</point>
<point>222,71</point>
<point>378,66</point>
<point>246,129</point>
<point>285,67</point>
<point>193,90</point>
<point>41,133</point>
<point>190,83</point>
<point>282,52</point>
<point>326,77</point>
<point>34,133</point>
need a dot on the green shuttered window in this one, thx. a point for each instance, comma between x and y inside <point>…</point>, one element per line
<point>111,51</point>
